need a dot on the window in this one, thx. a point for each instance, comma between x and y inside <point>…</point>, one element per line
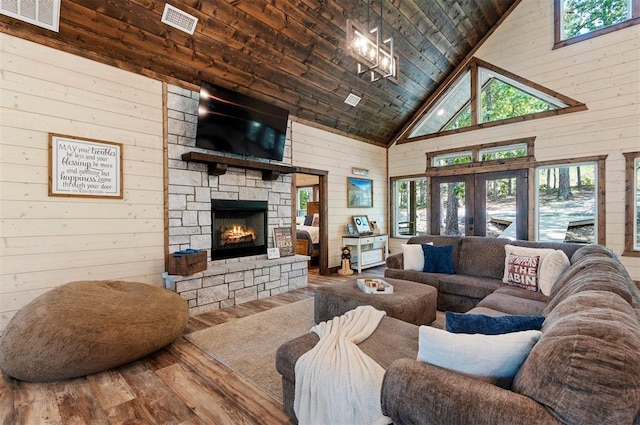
<point>578,20</point>
<point>304,195</point>
<point>452,159</point>
<point>504,152</point>
<point>632,195</point>
<point>501,98</point>
<point>567,203</point>
<point>474,156</point>
<point>410,207</point>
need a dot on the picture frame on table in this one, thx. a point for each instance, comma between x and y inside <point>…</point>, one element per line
<point>359,193</point>
<point>361,223</point>
<point>351,229</point>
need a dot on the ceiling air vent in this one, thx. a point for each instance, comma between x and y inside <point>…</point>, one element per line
<point>43,13</point>
<point>352,99</point>
<point>178,19</point>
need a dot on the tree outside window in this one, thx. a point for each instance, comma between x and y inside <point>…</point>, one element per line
<point>566,199</point>
<point>410,207</point>
<point>579,18</point>
<point>305,194</point>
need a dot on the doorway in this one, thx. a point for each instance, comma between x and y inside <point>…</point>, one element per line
<point>481,204</point>
<point>309,207</point>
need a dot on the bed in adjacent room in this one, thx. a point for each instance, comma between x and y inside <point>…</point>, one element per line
<point>308,233</point>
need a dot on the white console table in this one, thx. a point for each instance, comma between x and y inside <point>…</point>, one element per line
<point>367,251</point>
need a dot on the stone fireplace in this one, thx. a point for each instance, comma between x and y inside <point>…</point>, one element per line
<point>198,207</point>
<point>239,228</point>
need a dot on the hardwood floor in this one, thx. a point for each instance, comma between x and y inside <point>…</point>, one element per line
<point>176,385</point>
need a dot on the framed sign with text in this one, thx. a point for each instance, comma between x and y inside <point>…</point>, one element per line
<point>84,167</point>
<point>283,240</point>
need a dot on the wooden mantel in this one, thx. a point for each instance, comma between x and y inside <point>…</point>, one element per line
<point>218,165</point>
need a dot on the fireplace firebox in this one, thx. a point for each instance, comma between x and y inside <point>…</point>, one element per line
<point>239,228</point>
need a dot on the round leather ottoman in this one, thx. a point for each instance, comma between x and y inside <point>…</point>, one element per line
<point>86,327</point>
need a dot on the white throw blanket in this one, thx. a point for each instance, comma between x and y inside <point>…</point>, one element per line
<point>336,383</point>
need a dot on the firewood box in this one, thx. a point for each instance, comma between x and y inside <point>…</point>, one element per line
<point>187,262</point>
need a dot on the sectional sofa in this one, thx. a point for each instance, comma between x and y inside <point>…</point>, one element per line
<point>478,265</point>
<point>584,369</point>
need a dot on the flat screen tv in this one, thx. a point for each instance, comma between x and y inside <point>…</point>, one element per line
<point>232,122</point>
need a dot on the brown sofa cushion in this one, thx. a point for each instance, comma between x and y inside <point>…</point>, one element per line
<point>468,286</point>
<point>586,367</point>
<point>593,273</point>
<point>392,340</point>
<point>86,327</point>
<point>418,393</point>
<point>432,279</point>
<point>482,257</point>
<point>568,248</point>
<point>591,250</point>
<point>510,304</point>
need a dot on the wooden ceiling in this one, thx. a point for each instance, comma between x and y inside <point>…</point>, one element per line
<point>288,52</point>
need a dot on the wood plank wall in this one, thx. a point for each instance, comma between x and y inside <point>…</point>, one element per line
<point>319,149</point>
<point>47,241</point>
<point>603,72</point>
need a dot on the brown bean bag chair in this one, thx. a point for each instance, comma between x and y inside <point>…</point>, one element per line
<point>81,328</point>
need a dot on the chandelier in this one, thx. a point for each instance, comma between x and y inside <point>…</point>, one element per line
<point>374,53</point>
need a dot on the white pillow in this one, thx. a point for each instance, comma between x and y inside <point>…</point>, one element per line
<point>413,256</point>
<point>496,358</point>
<point>552,267</point>
<point>524,251</point>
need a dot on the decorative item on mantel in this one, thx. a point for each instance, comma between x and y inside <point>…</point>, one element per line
<point>187,262</point>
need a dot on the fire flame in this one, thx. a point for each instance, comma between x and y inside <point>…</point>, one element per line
<point>238,234</point>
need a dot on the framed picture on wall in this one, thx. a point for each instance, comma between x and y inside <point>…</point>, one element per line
<point>359,193</point>
<point>84,167</point>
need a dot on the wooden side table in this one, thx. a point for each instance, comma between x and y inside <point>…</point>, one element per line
<point>367,251</point>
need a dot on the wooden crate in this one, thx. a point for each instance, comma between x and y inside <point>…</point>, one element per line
<point>186,263</point>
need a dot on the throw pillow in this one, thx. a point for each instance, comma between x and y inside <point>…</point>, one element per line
<point>553,265</point>
<point>493,358</point>
<point>316,220</point>
<point>527,252</point>
<point>464,323</point>
<point>438,259</point>
<point>308,220</point>
<point>523,271</point>
<point>413,256</point>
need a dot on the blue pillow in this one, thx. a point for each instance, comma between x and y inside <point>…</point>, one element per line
<point>463,323</point>
<point>308,220</point>
<point>438,259</point>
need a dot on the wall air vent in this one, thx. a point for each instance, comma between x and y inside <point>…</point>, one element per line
<point>43,13</point>
<point>178,19</point>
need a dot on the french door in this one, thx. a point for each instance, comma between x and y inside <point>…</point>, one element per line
<point>481,204</point>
